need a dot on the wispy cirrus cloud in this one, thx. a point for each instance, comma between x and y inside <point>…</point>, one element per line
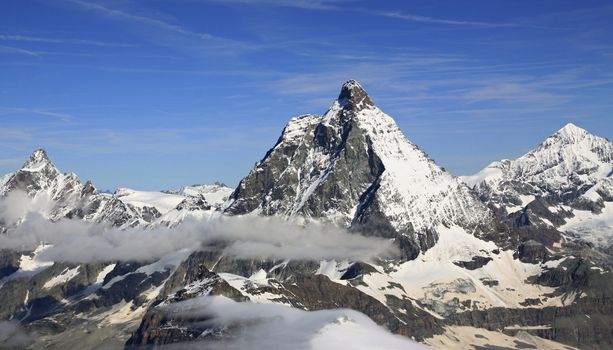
<point>12,37</point>
<point>17,50</point>
<point>433,20</point>
<point>35,111</point>
<point>162,32</point>
<point>338,5</point>
<point>300,4</point>
<point>14,336</point>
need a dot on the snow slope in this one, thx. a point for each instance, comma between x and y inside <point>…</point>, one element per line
<point>594,228</point>
<point>215,194</point>
<point>163,202</point>
<point>435,280</point>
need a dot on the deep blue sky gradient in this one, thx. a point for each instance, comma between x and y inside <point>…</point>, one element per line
<point>158,94</point>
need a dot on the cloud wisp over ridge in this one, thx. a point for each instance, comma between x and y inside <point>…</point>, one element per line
<point>162,32</point>
<point>411,17</point>
<point>36,111</point>
<point>27,38</point>
<point>248,237</point>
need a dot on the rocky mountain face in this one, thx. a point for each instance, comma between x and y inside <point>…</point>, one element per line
<point>506,263</point>
<point>354,167</point>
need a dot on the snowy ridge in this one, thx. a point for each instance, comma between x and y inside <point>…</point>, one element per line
<point>163,202</point>
<point>38,161</point>
<point>216,194</point>
<point>62,278</point>
<point>561,168</point>
<point>570,158</point>
<point>572,170</point>
<point>57,195</point>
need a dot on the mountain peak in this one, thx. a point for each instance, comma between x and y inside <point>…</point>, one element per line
<point>353,96</point>
<point>39,154</point>
<point>38,160</point>
<point>571,131</point>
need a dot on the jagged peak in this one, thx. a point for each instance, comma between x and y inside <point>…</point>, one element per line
<point>197,202</point>
<point>39,154</point>
<point>38,161</point>
<point>572,131</point>
<point>571,134</point>
<point>297,126</point>
<point>354,97</point>
<point>88,188</point>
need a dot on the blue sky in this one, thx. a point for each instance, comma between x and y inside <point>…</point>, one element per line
<point>158,94</point>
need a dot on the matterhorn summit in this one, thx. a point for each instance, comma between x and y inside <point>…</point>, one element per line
<point>353,166</point>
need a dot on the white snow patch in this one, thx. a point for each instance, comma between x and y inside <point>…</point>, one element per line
<point>105,271</point>
<point>243,285</point>
<point>489,173</point>
<point>333,269</point>
<point>215,194</point>
<point>163,202</point>
<point>594,228</point>
<point>30,263</point>
<point>66,275</point>
<point>433,276</point>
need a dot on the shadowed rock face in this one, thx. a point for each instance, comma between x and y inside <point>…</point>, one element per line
<point>9,262</point>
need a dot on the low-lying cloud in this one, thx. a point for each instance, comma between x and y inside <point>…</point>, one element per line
<point>243,237</point>
<point>13,336</point>
<point>273,326</point>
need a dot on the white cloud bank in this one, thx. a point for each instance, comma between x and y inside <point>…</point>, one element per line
<point>272,326</point>
<point>13,336</point>
<point>244,237</point>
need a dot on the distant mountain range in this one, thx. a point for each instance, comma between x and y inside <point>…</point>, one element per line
<point>515,256</point>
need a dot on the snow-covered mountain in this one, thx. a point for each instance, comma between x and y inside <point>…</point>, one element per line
<point>162,202</point>
<point>57,195</point>
<point>198,202</point>
<point>566,182</point>
<point>216,194</point>
<point>354,167</point>
<point>562,168</point>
